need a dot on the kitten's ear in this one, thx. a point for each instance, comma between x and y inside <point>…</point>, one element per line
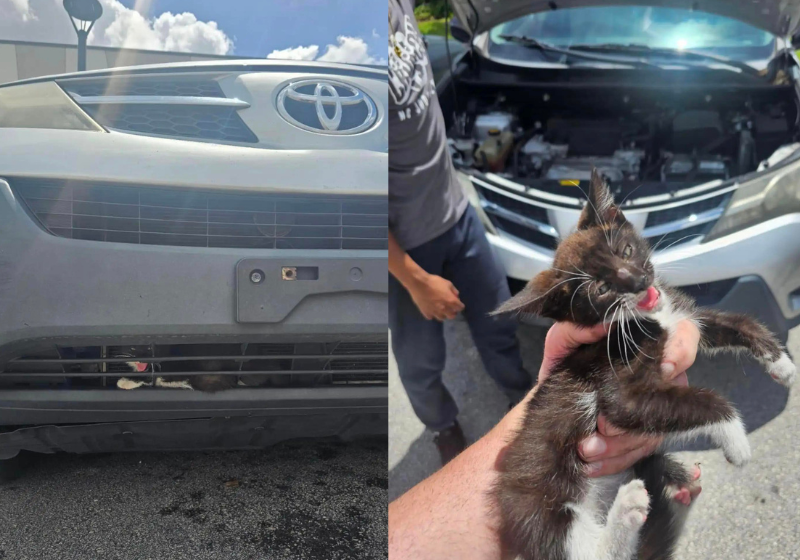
<point>600,209</point>
<point>540,295</point>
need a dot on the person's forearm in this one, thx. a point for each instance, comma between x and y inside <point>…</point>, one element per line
<point>448,515</point>
<point>402,266</point>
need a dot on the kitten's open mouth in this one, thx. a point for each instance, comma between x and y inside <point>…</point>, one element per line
<point>650,299</point>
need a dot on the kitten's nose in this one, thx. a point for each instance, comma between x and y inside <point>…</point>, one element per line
<point>640,283</point>
<point>635,281</point>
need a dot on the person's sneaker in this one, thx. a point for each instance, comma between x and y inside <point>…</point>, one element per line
<point>450,442</point>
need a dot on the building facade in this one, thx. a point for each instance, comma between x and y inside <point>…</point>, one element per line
<point>20,60</point>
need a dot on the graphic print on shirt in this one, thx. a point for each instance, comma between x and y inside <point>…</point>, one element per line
<point>408,71</point>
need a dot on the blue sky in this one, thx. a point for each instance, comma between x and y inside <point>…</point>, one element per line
<point>334,30</point>
<point>259,27</point>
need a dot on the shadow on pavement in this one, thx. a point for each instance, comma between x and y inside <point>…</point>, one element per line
<point>758,398</point>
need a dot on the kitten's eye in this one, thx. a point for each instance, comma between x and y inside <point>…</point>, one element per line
<point>603,288</point>
<point>627,252</point>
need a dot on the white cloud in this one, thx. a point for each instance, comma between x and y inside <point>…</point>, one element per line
<point>22,8</point>
<point>296,53</point>
<point>375,34</point>
<point>46,21</point>
<point>353,50</point>
<point>349,49</point>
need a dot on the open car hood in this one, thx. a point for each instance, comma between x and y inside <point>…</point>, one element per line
<point>780,17</point>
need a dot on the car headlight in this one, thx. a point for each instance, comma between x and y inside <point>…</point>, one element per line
<point>42,105</point>
<point>762,198</point>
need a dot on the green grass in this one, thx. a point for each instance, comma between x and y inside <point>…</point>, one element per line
<point>432,27</point>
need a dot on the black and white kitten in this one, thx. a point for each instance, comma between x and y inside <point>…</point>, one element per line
<point>550,509</point>
<point>207,383</point>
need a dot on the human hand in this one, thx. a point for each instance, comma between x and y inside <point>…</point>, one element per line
<point>611,450</point>
<point>435,297</point>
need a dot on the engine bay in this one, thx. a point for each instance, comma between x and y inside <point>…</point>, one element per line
<point>653,140</point>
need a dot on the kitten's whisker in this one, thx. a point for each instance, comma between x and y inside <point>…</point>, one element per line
<point>678,241</point>
<point>641,327</point>
<point>630,193</point>
<point>608,338</point>
<point>572,299</point>
<point>633,342</point>
<point>623,323</point>
<point>584,275</point>
<point>589,295</point>
<point>619,330</point>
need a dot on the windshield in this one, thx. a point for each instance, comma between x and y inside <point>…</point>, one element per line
<point>623,25</point>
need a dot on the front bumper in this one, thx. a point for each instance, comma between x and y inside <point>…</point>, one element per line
<point>71,292</point>
<point>106,421</point>
<point>53,288</point>
<point>761,262</point>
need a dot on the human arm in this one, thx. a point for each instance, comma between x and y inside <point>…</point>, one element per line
<point>434,296</point>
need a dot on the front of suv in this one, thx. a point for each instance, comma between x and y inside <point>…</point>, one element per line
<point>193,219</point>
<point>690,111</point>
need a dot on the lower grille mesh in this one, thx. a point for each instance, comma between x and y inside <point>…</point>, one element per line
<point>188,217</point>
<point>305,364</point>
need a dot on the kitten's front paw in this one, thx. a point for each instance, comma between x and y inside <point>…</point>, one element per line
<point>129,384</point>
<point>631,505</point>
<point>783,370</point>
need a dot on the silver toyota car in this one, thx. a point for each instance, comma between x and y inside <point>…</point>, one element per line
<point>221,220</point>
<point>690,109</point>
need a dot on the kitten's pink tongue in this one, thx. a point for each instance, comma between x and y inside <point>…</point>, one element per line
<point>649,301</point>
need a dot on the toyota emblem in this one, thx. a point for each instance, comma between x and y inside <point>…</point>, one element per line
<point>326,107</point>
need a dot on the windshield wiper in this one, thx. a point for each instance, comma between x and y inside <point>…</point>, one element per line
<point>635,48</point>
<point>532,43</point>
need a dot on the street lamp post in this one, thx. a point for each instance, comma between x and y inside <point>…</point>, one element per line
<point>83,14</point>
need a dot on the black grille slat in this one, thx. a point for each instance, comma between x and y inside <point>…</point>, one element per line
<point>191,86</point>
<point>675,238</point>
<point>193,218</point>
<point>530,211</point>
<point>677,213</point>
<point>525,233</point>
<point>201,122</point>
<point>275,364</point>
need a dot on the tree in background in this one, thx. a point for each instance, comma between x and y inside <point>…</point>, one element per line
<point>431,15</point>
<point>430,9</point>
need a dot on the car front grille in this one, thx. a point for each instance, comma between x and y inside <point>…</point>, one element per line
<point>149,215</point>
<point>297,364</point>
<point>521,216</point>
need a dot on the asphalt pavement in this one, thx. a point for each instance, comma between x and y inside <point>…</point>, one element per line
<point>742,514</point>
<point>298,500</point>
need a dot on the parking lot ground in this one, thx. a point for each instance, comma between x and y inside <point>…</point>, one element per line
<point>298,500</point>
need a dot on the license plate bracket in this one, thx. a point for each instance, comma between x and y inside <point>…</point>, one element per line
<point>269,288</point>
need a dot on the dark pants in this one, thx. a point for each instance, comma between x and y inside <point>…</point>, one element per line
<point>463,256</point>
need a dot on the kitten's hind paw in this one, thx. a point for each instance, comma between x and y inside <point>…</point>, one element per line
<point>631,505</point>
<point>685,494</point>
<point>783,370</point>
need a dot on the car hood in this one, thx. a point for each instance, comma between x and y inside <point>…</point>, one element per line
<point>780,17</point>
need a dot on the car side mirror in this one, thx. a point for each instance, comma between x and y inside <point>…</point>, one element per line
<point>459,33</point>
